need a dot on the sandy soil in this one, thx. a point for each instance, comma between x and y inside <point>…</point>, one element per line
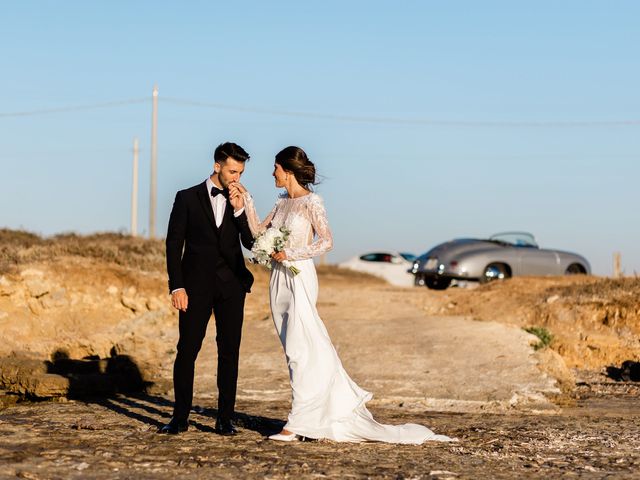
<point>595,321</point>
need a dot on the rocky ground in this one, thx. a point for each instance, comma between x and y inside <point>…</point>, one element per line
<point>87,326</point>
<point>115,438</point>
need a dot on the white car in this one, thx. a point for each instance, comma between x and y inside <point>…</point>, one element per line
<point>394,267</point>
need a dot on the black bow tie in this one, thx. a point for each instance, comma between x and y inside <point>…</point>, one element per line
<point>216,191</point>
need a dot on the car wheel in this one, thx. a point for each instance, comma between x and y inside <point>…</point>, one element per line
<point>495,271</point>
<point>575,269</point>
<point>418,281</point>
<point>437,283</point>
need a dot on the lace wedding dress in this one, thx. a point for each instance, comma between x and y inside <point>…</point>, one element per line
<point>326,403</point>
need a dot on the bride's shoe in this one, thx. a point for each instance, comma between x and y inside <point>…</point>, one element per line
<point>292,437</point>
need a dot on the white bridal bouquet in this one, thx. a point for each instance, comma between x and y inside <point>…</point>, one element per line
<point>270,241</point>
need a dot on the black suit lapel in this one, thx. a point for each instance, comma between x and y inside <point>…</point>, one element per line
<point>227,217</point>
<point>203,196</point>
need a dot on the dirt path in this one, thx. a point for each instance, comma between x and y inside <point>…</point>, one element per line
<point>399,354</point>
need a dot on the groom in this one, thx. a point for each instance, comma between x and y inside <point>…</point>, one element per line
<point>209,276</point>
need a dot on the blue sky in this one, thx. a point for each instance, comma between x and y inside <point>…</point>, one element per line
<point>507,85</point>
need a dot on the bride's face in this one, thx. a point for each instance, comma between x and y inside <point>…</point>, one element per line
<point>280,176</point>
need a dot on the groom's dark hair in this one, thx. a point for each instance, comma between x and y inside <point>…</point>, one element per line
<point>228,149</point>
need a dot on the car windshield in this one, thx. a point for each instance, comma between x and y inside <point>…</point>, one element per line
<point>408,256</point>
<point>377,257</point>
<point>517,239</point>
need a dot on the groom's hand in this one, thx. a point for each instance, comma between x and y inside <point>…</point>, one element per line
<point>180,300</point>
<point>236,197</point>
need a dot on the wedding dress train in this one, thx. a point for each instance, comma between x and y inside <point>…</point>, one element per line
<point>326,402</point>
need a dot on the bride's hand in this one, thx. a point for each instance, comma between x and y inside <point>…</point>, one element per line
<point>237,186</point>
<point>279,256</point>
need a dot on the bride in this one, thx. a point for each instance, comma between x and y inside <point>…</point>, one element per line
<point>326,403</point>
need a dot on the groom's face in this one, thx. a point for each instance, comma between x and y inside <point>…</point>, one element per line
<point>229,171</point>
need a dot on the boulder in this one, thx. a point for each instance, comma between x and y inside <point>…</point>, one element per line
<point>37,287</point>
<point>132,300</point>
<point>31,272</point>
<point>112,290</point>
<point>629,371</point>
<point>30,378</point>
<point>56,299</point>
<point>48,385</point>
<point>157,303</point>
<point>6,286</point>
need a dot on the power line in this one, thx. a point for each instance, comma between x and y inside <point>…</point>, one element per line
<point>73,108</point>
<point>403,121</point>
<point>338,117</point>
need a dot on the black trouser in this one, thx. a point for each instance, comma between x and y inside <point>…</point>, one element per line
<point>228,308</point>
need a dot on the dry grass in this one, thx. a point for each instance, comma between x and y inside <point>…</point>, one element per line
<point>620,293</point>
<point>19,247</point>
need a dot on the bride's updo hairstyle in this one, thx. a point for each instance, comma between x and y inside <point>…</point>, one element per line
<point>294,160</point>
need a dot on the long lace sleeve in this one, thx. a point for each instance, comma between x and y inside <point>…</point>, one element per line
<point>323,241</point>
<point>255,224</point>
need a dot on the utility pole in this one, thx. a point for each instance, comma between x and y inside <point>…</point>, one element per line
<point>134,190</point>
<point>617,271</point>
<point>154,165</point>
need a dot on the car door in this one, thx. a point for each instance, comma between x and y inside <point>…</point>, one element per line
<point>538,261</point>
<point>392,268</point>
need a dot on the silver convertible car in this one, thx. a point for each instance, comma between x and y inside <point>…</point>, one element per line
<point>501,256</point>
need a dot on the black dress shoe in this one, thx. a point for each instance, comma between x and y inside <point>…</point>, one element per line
<point>174,427</point>
<point>225,427</point>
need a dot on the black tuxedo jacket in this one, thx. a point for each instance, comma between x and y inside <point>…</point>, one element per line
<point>212,256</point>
